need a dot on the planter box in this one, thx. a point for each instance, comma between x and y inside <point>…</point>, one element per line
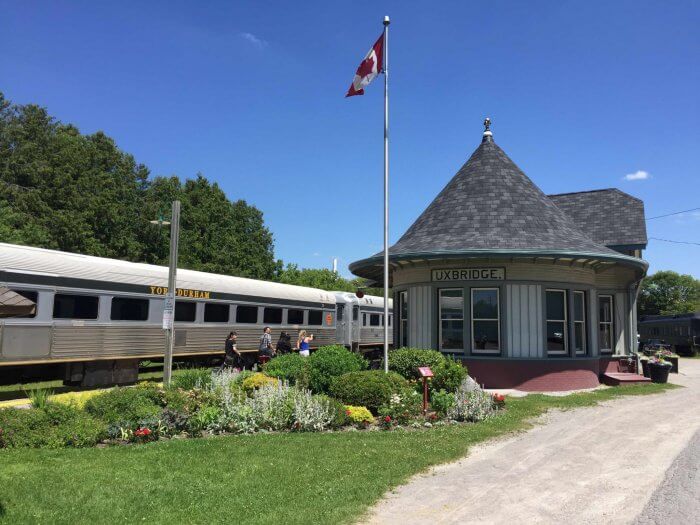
<point>658,373</point>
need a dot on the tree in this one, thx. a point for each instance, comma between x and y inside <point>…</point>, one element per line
<point>324,279</point>
<point>668,292</point>
<point>79,193</point>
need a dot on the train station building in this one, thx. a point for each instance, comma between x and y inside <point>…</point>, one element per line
<point>530,291</point>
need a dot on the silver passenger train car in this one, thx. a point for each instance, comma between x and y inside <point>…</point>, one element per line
<point>102,316</point>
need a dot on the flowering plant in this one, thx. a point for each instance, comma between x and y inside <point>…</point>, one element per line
<point>499,399</point>
<point>386,422</point>
<point>359,416</point>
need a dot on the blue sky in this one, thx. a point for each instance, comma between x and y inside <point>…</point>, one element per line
<point>581,94</point>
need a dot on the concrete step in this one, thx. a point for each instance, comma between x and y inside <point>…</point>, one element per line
<point>623,378</point>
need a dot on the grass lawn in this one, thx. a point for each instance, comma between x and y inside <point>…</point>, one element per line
<point>265,478</point>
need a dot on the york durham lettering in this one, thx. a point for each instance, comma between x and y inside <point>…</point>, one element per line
<point>181,292</point>
<point>469,274</point>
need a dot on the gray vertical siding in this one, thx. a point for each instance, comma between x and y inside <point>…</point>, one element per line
<point>620,325</point>
<point>420,316</point>
<point>524,320</point>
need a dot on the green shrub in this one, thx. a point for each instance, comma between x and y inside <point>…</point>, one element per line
<point>39,397</point>
<point>290,367</point>
<point>52,427</point>
<point>448,373</point>
<point>256,381</point>
<point>358,415</point>
<point>340,417</point>
<point>441,401</point>
<point>403,407</point>
<point>190,378</point>
<point>207,418</point>
<point>329,362</point>
<point>124,405</point>
<point>371,388</point>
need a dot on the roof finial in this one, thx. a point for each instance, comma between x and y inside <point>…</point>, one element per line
<point>487,130</point>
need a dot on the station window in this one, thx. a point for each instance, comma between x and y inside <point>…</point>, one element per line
<point>315,317</point>
<point>486,325</point>
<point>33,297</point>
<point>67,306</point>
<point>451,319</point>
<point>403,318</point>
<point>605,323</point>
<point>374,319</point>
<point>272,315</point>
<point>247,314</point>
<point>216,313</point>
<point>580,322</point>
<point>555,305</point>
<point>185,311</point>
<point>295,316</point>
<point>129,309</point>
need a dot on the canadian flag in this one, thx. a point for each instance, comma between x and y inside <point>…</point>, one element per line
<point>369,68</point>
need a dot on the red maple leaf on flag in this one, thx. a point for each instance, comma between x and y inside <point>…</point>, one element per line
<point>366,67</point>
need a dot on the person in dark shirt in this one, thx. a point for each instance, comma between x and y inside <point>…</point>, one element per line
<point>284,345</point>
<point>232,357</point>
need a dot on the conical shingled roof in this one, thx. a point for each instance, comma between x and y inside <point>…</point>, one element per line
<point>490,204</point>
<point>491,208</point>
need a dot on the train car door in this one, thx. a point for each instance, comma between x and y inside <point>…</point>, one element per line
<point>341,324</point>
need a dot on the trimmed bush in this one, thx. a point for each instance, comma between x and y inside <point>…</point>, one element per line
<point>53,426</point>
<point>358,415</point>
<point>290,367</point>
<point>257,380</point>
<point>329,362</point>
<point>190,378</point>
<point>449,374</point>
<point>124,405</point>
<point>371,388</point>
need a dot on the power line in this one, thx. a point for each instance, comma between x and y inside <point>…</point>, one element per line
<point>677,242</point>
<point>674,213</point>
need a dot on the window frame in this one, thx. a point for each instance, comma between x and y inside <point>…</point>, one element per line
<point>320,323</point>
<point>584,346</point>
<point>111,309</point>
<point>246,306</point>
<point>373,317</point>
<point>180,301</point>
<point>97,310</point>
<point>204,313</point>
<point>271,310</point>
<point>22,291</point>
<point>440,320</point>
<point>490,351</point>
<point>295,310</point>
<point>403,319</point>
<point>610,350</point>
<point>565,322</point>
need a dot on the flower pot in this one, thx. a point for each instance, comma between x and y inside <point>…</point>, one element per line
<point>659,373</point>
<point>645,367</point>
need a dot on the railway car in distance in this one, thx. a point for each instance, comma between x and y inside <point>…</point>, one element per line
<point>100,317</point>
<point>681,331</point>
<point>360,321</point>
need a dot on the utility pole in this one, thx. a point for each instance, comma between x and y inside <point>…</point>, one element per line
<point>169,308</point>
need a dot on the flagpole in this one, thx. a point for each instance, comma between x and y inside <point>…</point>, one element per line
<point>386,193</point>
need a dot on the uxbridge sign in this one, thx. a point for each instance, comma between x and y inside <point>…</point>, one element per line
<point>469,274</point>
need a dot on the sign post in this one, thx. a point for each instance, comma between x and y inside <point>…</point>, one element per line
<point>425,372</point>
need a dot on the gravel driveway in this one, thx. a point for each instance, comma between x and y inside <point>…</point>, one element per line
<point>591,465</point>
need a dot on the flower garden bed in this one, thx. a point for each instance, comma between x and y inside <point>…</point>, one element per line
<point>331,390</point>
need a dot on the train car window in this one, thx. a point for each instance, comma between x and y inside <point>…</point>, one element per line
<point>185,311</point>
<point>247,314</point>
<point>216,313</point>
<point>374,319</point>
<point>295,316</point>
<point>364,319</point>
<point>315,317</point>
<point>33,297</point>
<point>355,313</point>
<point>340,312</point>
<point>129,309</point>
<point>66,306</point>
<point>272,316</point>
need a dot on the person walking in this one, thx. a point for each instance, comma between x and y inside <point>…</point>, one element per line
<point>303,343</point>
<point>265,347</point>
